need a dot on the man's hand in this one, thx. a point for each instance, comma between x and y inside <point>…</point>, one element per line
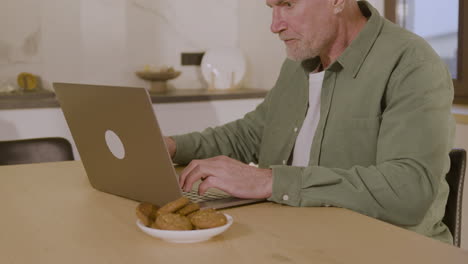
<point>171,146</point>
<point>232,176</point>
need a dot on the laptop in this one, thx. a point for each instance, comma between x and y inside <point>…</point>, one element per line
<point>122,148</point>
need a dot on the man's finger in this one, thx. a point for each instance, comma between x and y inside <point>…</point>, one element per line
<point>205,185</point>
<point>214,182</point>
<point>194,175</point>
<point>192,165</point>
<point>210,182</point>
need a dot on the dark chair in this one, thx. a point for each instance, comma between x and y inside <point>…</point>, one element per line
<point>455,178</point>
<point>35,150</point>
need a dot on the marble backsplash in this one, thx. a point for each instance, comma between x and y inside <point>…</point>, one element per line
<point>20,39</point>
<point>106,41</point>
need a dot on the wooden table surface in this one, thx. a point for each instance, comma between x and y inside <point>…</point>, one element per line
<point>51,214</point>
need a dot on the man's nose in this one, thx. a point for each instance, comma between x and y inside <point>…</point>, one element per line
<point>277,24</point>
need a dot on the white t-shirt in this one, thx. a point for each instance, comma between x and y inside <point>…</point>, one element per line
<point>303,145</point>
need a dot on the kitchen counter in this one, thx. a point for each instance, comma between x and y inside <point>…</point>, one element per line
<point>46,99</point>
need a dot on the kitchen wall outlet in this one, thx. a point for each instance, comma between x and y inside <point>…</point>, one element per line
<point>191,58</point>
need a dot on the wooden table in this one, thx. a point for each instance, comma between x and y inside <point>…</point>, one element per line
<point>51,214</point>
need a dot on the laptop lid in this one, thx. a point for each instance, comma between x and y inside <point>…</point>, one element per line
<point>143,170</point>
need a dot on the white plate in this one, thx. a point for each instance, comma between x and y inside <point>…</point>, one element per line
<point>189,236</point>
<point>223,68</point>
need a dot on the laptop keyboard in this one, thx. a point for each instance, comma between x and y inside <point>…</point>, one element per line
<point>209,196</point>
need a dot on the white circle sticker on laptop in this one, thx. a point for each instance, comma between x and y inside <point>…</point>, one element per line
<point>114,144</point>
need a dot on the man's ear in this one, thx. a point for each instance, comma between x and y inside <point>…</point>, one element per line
<point>338,5</point>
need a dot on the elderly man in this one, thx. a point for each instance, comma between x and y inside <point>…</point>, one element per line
<point>359,118</point>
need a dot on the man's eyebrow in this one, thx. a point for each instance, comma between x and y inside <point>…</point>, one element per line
<point>277,2</point>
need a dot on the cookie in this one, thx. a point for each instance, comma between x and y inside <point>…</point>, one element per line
<point>173,206</point>
<point>189,216</point>
<point>188,209</point>
<point>206,210</point>
<point>208,218</point>
<point>146,212</point>
<point>172,222</point>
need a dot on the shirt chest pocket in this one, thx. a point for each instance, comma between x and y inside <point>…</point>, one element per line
<point>350,142</point>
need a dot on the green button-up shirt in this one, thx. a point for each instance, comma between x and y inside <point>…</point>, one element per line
<point>381,146</point>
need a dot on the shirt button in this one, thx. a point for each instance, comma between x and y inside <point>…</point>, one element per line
<point>285,197</point>
<point>284,162</point>
<point>295,129</point>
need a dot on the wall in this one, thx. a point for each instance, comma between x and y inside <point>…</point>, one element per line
<point>103,41</point>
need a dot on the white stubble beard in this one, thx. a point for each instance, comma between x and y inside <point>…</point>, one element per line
<point>300,50</point>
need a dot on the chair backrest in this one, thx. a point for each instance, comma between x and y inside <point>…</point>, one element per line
<point>455,178</point>
<point>35,150</point>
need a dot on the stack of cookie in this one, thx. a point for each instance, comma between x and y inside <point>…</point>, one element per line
<point>180,214</point>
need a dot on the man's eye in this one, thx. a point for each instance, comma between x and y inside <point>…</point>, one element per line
<point>287,4</point>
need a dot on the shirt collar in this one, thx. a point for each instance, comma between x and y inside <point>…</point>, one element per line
<point>310,65</point>
<point>355,54</point>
